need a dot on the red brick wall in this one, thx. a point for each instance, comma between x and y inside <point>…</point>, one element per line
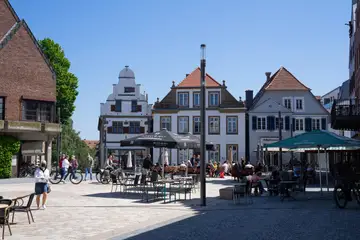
<point>7,20</point>
<point>23,71</point>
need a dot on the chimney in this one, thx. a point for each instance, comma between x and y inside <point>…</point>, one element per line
<point>157,99</point>
<point>147,97</point>
<point>249,97</point>
<point>268,75</point>
<point>187,75</point>
<point>173,84</point>
<point>224,83</point>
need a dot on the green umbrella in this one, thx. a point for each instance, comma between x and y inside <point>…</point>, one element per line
<point>316,139</point>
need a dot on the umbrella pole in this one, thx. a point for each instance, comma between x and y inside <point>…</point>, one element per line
<point>327,170</point>
<point>163,162</point>
<point>318,158</point>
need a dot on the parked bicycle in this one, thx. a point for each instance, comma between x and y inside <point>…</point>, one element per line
<point>27,170</point>
<point>103,175</point>
<point>74,177</point>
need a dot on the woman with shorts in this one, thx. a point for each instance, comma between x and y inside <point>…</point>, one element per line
<point>41,184</point>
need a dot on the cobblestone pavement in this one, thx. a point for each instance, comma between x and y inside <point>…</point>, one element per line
<point>89,211</point>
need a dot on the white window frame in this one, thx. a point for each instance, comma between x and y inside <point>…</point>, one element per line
<point>290,99</point>
<point>196,119</point>
<point>302,103</point>
<point>316,120</point>
<point>230,127</point>
<point>165,120</point>
<point>214,125</point>
<point>282,123</point>
<point>214,155</point>
<point>300,122</point>
<point>210,99</point>
<point>184,155</point>
<point>183,124</point>
<point>194,94</point>
<point>261,123</point>
<point>183,99</point>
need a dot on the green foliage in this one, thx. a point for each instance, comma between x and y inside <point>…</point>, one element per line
<point>66,82</point>
<point>72,144</point>
<point>9,146</point>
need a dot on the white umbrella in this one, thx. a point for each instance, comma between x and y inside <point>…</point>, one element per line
<point>129,161</point>
<point>166,158</point>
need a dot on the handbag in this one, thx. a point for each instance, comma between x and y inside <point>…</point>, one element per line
<point>48,189</point>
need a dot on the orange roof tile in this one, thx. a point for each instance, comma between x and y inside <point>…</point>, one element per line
<point>284,80</point>
<point>193,80</point>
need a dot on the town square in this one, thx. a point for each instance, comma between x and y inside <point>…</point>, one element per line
<point>179,119</point>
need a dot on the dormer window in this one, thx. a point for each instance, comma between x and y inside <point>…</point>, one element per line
<point>214,99</point>
<point>183,99</point>
<point>129,90</point>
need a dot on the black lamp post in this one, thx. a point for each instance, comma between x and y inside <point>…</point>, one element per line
<point>202,125</point>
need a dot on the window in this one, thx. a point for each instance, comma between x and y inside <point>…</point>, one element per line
<point>315,124</point>
<point>2,108</point>
<point>133,106</point>
<point>232,152</point>
<point>134,127</point>
<point>165,123</point>
<point>196,125</point>
<point>287,103</point>
<point>299,104</point>
<point>38,111</point>
<point>196,99</point>
<point>129,89</point>
<point>277,123</point>
<point>184,155</point>
<point>261,123</point>
<point>183,124</point>
<point>231,125</point>
<point>214,99</point>
<point>183,99</point>
<point>214,125</point>
<point>117,127</point>
<point>118,105</point>
<point>299,124</point>
<point>215,155</point>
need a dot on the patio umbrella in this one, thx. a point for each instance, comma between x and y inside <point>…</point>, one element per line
<point>129,161</point>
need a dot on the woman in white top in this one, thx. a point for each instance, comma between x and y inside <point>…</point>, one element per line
<point>41,184</point>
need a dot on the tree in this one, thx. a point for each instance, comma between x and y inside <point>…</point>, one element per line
<point>66,82</point>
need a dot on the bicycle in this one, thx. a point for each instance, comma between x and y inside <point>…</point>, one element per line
<point>75,178</point>
<point>27,170</point>
<point>103,176</point>
<point>345,191</point>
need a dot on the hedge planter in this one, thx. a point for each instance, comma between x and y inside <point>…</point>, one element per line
<point>9,146</point>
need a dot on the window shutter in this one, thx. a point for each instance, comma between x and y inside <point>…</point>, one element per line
<point>287,123</point>
<point>139,108</point>
<point>272,123</point>
<point>308,124</point>
<point>268,123</point>
<point>293,124</point>
<point>109,130</point>
<point>254,122</point>
<point>323,123</point>
<point>126,129</point>
<point>112,108</point>
<point>142,129</point>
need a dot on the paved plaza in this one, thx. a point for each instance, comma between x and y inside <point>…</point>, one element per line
<point>89,211</point>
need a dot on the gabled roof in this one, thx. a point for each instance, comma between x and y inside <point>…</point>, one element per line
<point>14,29</point>
<point>284,80</point>
<point>193,80</point>
<point>274,105</point>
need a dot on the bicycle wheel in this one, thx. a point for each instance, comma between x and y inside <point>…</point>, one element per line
<point>76,178</point>
<point>356,192</point>
<point>340,197</point>
<point>55,177</point>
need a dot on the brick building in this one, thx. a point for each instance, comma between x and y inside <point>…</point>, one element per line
<point>27,89</point>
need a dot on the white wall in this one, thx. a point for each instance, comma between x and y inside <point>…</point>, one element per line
<point>221,139</point>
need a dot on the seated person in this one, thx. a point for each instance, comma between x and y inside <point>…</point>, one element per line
<point>255,178</point>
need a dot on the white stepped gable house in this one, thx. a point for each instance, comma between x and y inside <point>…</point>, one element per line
<point>179,112</point>
<point>299,109</point>
<point>126,113</point>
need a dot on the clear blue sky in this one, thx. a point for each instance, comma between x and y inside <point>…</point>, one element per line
<point>160,39</point>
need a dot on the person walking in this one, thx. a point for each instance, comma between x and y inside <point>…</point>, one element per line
<point>41,184</point>
<point>74,165</point>
<point>65,167</point>
<point>89,166</point>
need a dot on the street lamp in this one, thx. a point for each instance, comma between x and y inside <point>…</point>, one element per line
<point>202,125</point>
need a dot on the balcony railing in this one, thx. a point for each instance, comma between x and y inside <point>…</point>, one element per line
<point>345,114</point>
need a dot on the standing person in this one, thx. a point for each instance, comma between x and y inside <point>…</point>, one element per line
<point>89,166</point>
<point>109,163</point>
<point>74,165</point>
<point>65,166</point>
<point>41,184</point>
<point>147,165</point>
